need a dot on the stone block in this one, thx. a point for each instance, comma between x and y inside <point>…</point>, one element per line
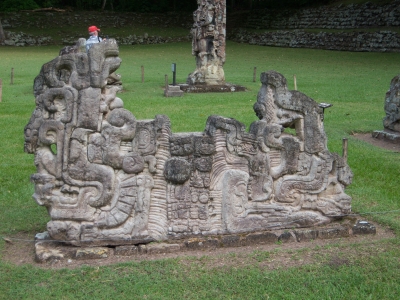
<point>260,238</point>
<point>52,251</point>
<point>331,233</point>
<point>92,253</point>
<point>142,249</point>
<point>231,241</point>
<point>173,91</point>
<point>158,248</point>
<point>306,235</point>
<point>286,237</point>
<point>130,250</point>
<point>200,244</point>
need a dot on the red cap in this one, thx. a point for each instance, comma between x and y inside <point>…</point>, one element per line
<point>93,29</point>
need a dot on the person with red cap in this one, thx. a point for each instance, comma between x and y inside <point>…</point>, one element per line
<point>94,37</point>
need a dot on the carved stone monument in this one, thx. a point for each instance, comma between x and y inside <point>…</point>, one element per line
<point>208,44</point>
<point>107,178</point>
<point>391,121</point>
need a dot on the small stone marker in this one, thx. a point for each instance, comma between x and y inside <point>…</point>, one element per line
<point>364,227</point>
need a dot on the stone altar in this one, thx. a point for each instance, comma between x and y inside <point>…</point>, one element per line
<point>208,43</point>
<point>391,122</point>
<point>107,178</point>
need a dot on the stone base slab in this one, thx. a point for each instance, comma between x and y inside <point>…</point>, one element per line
<point>173,91</point>
<point>203,88</point>
<point>48,250</point>
<point>387,135</point>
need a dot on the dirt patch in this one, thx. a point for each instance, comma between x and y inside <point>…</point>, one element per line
<point>19,250</point>
<point>381,143</point>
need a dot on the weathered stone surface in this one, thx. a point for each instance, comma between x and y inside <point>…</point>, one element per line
<point>208,43</point>
<point>201,244</point>
<point>330,16</point>
<point>92,253</point>
<point>126,250</point>
<point>173,91</point>
<point>286,237</point>
<point>364,227</point>
<point>107,178</point>
<point>231,241</point>
<point>46,251</point>
<point>358,41</point>
<point>260,238</point>
<point>391,121</point>
<point>387,135</point>
<point>323,233</point>
<point>306,235</point>
<point>158,248</point>
<point>332,233</point>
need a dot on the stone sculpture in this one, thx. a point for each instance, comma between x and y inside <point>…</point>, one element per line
<point>109,179</point>
<point>392,105</point>
<point>208,44</point>
<point>391,122</point>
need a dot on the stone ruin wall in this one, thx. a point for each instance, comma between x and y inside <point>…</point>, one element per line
<point>328,17</point>
<point>352,16</point>
<point>383,41</point>
<point>107,178</point>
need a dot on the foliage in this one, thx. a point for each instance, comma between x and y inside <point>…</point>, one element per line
<point>143,5</point>
<point>48,3</point>
<point>17,5</point>
<point>165,5</point>
<point>132,5</point>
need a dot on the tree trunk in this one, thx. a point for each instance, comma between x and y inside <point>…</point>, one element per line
<point>2,36</point>
<point>104,4</point>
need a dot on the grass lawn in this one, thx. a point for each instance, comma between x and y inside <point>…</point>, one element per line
<point>355,83</point>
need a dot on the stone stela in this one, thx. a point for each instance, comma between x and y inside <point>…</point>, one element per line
<point>208,42</point>
<point>107,178</point>
<point>391,122</point>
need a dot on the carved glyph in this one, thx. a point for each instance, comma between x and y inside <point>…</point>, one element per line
<point>107,178</point>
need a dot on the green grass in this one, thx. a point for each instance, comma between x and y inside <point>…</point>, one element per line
<point>355,83</point>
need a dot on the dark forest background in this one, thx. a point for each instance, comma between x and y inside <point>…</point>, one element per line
<point>149,5</point>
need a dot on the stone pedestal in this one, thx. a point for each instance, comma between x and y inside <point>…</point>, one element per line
<point>205,88</point>
<point>387,135</point>
<point>173,91</point>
